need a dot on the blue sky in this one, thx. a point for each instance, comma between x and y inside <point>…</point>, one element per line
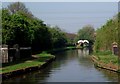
<point>72,16</point>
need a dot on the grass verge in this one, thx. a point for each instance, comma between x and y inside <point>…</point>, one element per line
<point>40,60</point>
<point>106,60</point>
<point>107,57</point>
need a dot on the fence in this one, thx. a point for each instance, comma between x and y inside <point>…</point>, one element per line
<point>10,54</point>
<point>4,53</point>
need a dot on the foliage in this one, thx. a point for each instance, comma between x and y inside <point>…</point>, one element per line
<point>106,35</point>
<point>58,37</point>
<point>18,6</point>
<point>16,29</point>
<point>42,36</point>
<point>20,28</point>
<point>108,59</point>
<point>86,33</point>
<point>0,26</point>
<point>70,39</point>
<point>107,52</point>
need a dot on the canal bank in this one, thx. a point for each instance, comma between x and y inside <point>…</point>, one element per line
<point>27,66</point>
<point>31,65</point>
<point>100,63</point>
<point>69,66</point>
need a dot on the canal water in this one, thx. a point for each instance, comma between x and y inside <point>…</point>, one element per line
<point>69,66</point>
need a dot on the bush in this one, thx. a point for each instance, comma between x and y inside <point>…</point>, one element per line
<point>107,52</point>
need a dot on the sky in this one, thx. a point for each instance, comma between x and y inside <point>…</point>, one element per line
<point>72,16</point>
<point>61,0</point>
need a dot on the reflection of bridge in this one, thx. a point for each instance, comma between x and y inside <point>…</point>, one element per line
<point>83,52</point>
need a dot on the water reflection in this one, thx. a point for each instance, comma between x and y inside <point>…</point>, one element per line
<point>84,58</point>
<point>109,74</point>
<point>69,66</point>
<point>83,52</point>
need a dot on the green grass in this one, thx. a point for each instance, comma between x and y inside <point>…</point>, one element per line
<point>42,57</point>
<point>29,63</point>
<point>21,66</point>
<point>107,57</point>
<point>103,53</point>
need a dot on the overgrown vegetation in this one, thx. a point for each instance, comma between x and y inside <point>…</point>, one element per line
<point>105,37</point>
<point>20,26</point>
<point>107,52</point>
<point>107,57</point>
<point>107,34</point>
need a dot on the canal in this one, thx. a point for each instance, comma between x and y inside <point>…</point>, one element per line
<point>69,66</point>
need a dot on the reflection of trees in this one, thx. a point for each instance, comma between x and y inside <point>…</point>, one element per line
<point>63,58</point>
<point>34,77</point>
<point>31,78</point>
<point>110,74</point>
<point>42,75</point>
<point>60,62</point>
<point>118,78</point>
<point>84,58</point>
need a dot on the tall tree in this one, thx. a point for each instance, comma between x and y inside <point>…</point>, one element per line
<point>87,32</point>
<point>0,27</point>
<point>16,29</point>
<point>107,34</point>
<point>42,36</point>
<point>58,37</point>
<point>18,6</point>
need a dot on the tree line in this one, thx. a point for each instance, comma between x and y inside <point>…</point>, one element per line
<point>20,26</point>
<point>86,33</point>
<point>107,34</point>
<point>102,38</point>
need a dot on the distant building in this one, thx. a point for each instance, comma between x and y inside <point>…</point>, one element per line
<point>71,37</point>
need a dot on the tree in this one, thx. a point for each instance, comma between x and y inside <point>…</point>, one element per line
<point>106,35</point>
<point>58,37</point>
<point>18,6</point>
<point>0,27</point>
<point>16,29</point>
<point>87,32</point>
<point>0,36</point>
<point>42,36</point>
<point>6,31</point>
<point>19,28</point>
<point>70,39</point>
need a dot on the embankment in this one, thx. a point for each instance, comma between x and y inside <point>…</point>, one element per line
<point>108,66</point>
